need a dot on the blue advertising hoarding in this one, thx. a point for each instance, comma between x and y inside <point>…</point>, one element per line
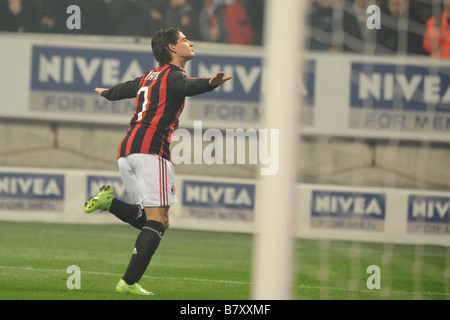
<point>239,100</point>
<point>33,192</point>
<point>348,210</point>
<point>218,200</point>
<point>397,97</point>
<point>428,214</point>
<point>63,79</point>
<point>95,182</point>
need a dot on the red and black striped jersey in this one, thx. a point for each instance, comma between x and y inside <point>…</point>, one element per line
<point>160,97</point>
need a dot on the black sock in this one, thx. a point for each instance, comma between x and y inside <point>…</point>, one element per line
<point>146,244</point>
<point>129,213</point>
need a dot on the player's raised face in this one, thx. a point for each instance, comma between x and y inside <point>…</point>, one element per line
<point>183,48</point>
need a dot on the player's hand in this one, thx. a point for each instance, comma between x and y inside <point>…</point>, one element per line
<point>100,90</point>
<point>219,79</point>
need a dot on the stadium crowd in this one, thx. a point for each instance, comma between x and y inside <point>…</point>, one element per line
<point>419,27</point>
<point>225,21</point>
<point>412,27</point>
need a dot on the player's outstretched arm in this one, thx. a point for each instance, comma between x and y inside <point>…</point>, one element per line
<point>219,79</point>
<point>188,87</point>
<point>120,91</point>
<point>100,90</point>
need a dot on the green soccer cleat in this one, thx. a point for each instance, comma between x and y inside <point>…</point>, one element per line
<point>136,288</point>
<point>101,201</point>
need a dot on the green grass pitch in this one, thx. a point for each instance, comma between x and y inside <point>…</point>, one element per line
<point>197,265</point>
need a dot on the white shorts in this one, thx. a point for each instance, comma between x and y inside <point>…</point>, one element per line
<point>148,179</point>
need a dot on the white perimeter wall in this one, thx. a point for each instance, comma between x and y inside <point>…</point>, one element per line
<point>221,204</point>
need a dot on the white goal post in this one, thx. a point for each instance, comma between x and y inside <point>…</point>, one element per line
<point>283,53</point>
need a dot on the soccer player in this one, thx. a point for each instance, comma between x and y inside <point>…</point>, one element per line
<point>144,155</point>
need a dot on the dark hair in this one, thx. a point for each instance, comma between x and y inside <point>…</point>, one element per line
<point>160,44</point>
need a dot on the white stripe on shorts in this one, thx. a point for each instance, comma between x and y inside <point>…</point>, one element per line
<point>163,182</point>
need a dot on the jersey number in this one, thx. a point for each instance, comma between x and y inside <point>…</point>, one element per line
<point>152,77</point>
<point>144,104</point>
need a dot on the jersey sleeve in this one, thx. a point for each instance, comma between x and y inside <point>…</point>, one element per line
<point>124,90</point>
<point>182,86</point>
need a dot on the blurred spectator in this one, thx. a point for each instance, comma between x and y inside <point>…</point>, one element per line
<point>53,16</point>
<point>255,12</point>
<point>420,11</point>
<point>437,36</point>
<point>225,21</point>
<point>181,13</point>
<point>157,9</point>
<point>356,37</point>
<point>399,32</point>
<point>18,16</point>
<point>96,16</point>
<point>320,19</point>
<point>130,18</point>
